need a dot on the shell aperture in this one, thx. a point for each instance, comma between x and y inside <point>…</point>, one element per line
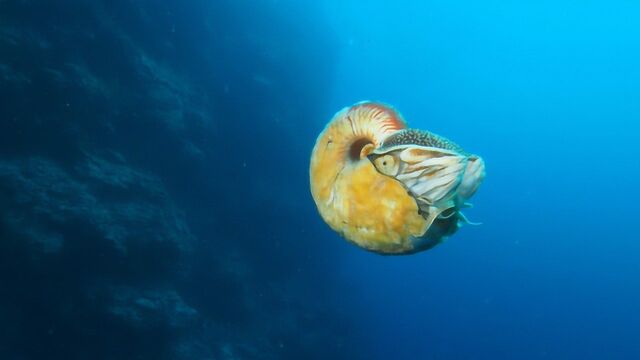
<point>386,188</point>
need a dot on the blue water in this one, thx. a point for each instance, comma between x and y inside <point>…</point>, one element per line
<point>549,94</point>
<point>154,195</point>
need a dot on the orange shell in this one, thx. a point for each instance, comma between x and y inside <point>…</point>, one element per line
<point>369,209</point>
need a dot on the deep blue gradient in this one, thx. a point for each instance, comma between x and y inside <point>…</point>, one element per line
<point>154,191</point>
<point>549,94</point>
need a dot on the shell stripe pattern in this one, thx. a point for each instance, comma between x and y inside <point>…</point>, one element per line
<point>373,121</point>
<point>432,175</point>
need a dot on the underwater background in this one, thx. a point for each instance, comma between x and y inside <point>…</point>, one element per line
<point>154,191</point>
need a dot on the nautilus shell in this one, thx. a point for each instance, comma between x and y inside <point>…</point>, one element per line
<point>387,188</point>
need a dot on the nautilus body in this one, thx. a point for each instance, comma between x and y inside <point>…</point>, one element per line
<point>387,188</point>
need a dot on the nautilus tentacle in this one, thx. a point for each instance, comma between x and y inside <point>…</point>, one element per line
<point>386,188</point>
<point>464,219</point>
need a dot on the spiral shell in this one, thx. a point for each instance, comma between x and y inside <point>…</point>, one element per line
<point>367,208</point>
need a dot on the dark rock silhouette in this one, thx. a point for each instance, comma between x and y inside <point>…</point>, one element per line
<point>145,148</point>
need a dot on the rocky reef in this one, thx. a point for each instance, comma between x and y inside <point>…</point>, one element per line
<point>152,165</point>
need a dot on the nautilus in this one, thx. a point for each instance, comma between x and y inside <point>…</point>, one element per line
<point>388,188</point>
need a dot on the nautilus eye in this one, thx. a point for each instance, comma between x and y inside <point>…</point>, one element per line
<point>387,165</point>
<point>397,200</point>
